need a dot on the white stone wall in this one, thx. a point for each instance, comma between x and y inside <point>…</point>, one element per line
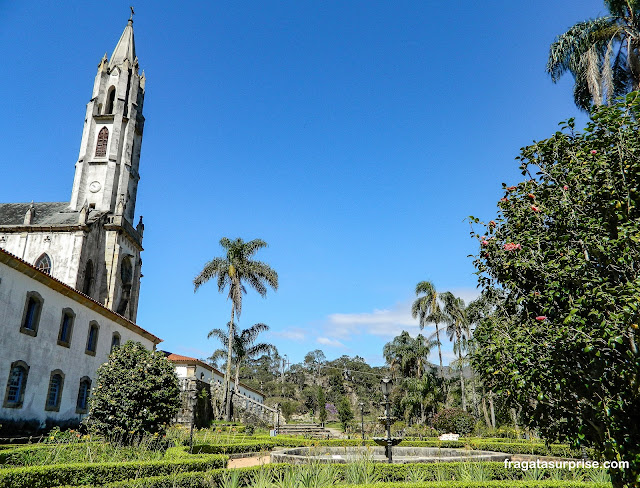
<point>42,352</point>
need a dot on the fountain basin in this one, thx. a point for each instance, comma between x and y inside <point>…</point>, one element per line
<point>401,455</point>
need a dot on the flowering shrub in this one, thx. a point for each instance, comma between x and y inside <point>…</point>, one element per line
<point>561,343</point>
<point>455,421</point>
<point>136,394</point>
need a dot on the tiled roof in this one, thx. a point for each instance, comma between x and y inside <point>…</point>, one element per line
<point>46,213</point>
<point>46,279</point>
<point>177,358</point>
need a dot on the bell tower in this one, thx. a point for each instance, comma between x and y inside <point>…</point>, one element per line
<point>106,177</point>
<point>106,180</point>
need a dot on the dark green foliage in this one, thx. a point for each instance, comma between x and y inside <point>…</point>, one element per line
<point>136,393</point>
<point>454,420</point>
<point>345,413</point>
<point>562,346</point>
<point>95,474</point>
<point>322,405</point>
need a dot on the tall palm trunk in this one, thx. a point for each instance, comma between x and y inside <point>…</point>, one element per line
<point>493,412</point>
<point>475,398</point>
<point>487,420</point>
<point>227,374</point>
<point>236,386</point>
<point>464,401</point>
<point>439,349</point>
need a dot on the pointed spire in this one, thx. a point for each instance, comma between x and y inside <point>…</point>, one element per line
<point>126,48</point>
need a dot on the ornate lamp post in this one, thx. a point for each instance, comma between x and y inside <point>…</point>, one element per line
<point>278,421</point>
<point>388,442</point>
<point>362,420</point>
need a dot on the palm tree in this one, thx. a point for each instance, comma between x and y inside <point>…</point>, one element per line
<point>243,346</point>
<point>232,271</point>
<point>427,309</point>
<point>456,320</point>
<point>399,353</point>
<point>602,54</point>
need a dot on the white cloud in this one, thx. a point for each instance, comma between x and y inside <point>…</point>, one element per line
<point>325,341</point>
<point>386,323</point>
<point>292,333</point>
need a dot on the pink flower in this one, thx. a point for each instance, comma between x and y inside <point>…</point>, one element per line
<point>510,246</point>
<point>565,187</point>
<point>484,243</point>
<point>593,151</point>
<point>540,318</point>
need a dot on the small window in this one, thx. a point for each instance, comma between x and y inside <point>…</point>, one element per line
<point>16,385</point>
<point>101,144</point>
<point>82,404</point>
<point>115,341</point>
<point>54,393</point>
<point>92,339</point>
<point>88,278</point>
<point>111,98</point>
<point>44,263</point>
<point>66,327</point>
<point>31,314</point>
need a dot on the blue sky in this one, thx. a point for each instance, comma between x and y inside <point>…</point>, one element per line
<point>354,137</point>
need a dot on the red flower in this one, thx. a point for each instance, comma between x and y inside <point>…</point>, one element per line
<point>534,208</point>
<point>593,151</point>
<point>565,187</point>
<point>511,188</point>
<point>532,196</point>
<point>492,223</point>
<point>540,318</point>
<point>504,199</point>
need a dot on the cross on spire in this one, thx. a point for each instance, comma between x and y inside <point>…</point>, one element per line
<point>132,14</point>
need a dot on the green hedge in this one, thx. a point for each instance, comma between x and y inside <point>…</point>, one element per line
<point>233,448</point>
<point>95,474</point>
<point>517,447</point>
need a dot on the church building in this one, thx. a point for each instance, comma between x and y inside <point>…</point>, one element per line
<point>70,271</point>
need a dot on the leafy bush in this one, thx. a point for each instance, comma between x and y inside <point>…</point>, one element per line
<point>136,393</point>
<point>454,420</point>
<point>345,413</point>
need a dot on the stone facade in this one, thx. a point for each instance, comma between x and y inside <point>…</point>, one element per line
<point>46,345</point>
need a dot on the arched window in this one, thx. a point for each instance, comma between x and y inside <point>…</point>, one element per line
<point>101,145</point>
<point>54,393</point>
<point>66,327</point>
<point>111,97</point>
<point>92,339</point>
<point>126,271</point>
<point>82,404</point>
<point>115,341</point>
<point>88,278</point>
<point>31,314</point>
<point>44,263</point>
<point>16,385</point>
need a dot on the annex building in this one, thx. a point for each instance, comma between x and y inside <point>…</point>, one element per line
<point>70,271</point>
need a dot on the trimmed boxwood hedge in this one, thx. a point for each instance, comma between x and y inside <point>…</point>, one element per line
<point>517,447</point>
<point>95,474</point>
